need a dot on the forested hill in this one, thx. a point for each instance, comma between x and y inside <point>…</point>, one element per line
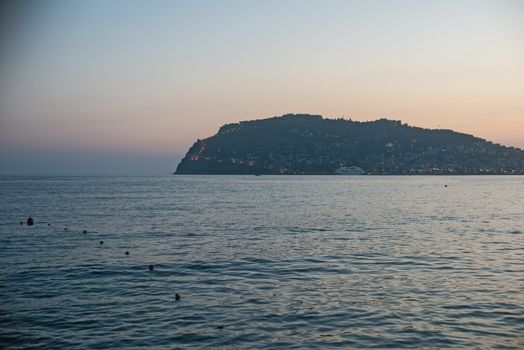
<point>310,144</point>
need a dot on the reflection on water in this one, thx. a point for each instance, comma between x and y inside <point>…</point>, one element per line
<point>262,262</point>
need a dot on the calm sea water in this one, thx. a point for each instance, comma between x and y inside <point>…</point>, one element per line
<point>262,262</point>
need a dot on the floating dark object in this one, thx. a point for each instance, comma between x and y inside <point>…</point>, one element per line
<point>151,267</point>
<point>30,221</point>
<point>177,296</point>
<point>65,228</point>
<point>48,224</point>
<point>101,242</point>
<point>220,326</point>
<point>127,253</point>
<point>84,232</point>
<point>445,185</point>
<point>21,223</point>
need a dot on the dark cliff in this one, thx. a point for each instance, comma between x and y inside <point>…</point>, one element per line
<point>310,144</point>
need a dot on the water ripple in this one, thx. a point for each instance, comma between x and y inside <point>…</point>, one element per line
<point>271,262</point>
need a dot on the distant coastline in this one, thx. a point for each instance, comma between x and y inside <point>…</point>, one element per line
<point>302,144</point>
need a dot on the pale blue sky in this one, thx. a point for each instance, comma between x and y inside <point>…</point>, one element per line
<point>102,83</point>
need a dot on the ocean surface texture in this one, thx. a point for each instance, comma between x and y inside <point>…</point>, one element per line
<point>262,262</point>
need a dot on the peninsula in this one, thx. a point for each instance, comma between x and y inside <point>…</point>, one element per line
<point>304,144</point>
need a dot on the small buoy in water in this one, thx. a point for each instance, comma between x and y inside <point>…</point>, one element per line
<point>101,242</point>
<point>177,296</point>
<point>29,221</point>
<point>48,224</point>
<point>127,253</point>
<point>65,228</point>
<point>151,267</point>
<point>220,326</point>
<point>21,223</point>
<point>84,232</point>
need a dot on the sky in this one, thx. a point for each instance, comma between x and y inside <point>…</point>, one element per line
<point>105,86</point>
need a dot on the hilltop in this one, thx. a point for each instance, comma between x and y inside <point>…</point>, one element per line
<point>311,144</point>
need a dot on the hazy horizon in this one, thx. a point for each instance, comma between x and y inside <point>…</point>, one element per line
<point>128,86</point>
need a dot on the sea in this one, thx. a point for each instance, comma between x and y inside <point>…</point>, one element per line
<point>262,262</point>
